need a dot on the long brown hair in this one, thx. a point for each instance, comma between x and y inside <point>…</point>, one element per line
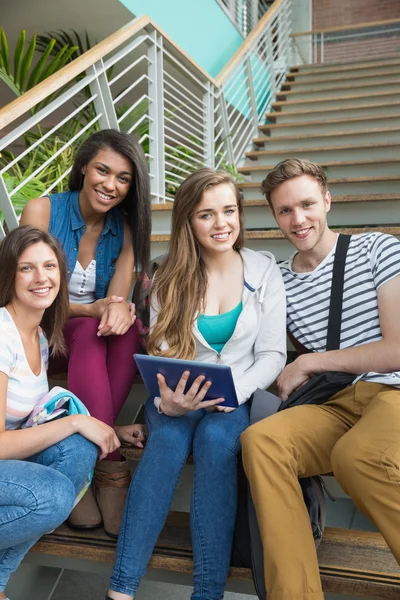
<point>136,205</point>
<point>11,248</point>
<point>181,281</point>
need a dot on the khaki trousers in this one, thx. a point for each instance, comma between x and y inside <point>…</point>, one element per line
<point>357,436</point>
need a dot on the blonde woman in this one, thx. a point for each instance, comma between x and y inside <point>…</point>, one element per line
<point>213,301</point>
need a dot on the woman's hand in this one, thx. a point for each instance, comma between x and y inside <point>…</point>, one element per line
<point>131,435</point>
<point>97,432</point>
<point>97,308</point>
<point>116,319</point>
<point>177,403</point>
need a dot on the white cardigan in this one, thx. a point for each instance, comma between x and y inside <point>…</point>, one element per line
<point>256,352</point>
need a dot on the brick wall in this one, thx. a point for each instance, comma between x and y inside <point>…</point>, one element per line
<point>337,13</point>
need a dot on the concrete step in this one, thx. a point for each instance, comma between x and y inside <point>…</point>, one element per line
<point>346,65</point>
<point>344,100</point>
<point>346,209</point>
<point>330,125</point>
<point>325,151</point>
<point>341,111</point>
<point>375,184</point>
<point>334,169</point>
<point>336,138</point>
<point>346,71</point>
<point>329,82</point>
<point>339,90</point>
<point>273,240</point>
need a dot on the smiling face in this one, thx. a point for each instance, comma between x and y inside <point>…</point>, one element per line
<point>37,280</point>
<point>107,179</point>
<point>215,222</point>
<point>300,209</point>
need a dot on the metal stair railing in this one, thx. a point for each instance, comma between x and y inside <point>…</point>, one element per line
<point>138,80</point>
<point>362,41</point>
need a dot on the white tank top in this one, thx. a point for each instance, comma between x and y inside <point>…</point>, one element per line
<point>82,284</point>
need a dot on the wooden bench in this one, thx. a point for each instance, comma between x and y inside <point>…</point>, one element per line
<point>351,562</point>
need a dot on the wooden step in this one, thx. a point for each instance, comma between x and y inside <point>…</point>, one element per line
<point>248,169</point>
<point>294,80</point>
<point>349,198</point>
<point>254,185</point>
<point>267,128</point>
<point>296,71</point>
<point>344,87</point>
<point>273,116</point>
<point>333,134</point>
<point>169,205</point>
<point>276,234</point>
<point>351,562</point>
<point>342,65</point>
<point>255,154</point>
<point>279,103</point>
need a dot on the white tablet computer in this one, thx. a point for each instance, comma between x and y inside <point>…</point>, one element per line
<point>220,375</point>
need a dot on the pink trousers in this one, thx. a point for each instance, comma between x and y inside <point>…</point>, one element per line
<point>101,370</point>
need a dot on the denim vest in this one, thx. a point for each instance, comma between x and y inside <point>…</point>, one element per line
<point>67,225</point>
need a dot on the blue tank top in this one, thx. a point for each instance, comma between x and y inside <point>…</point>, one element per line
<point>67,225</point>
<point>218,329</point>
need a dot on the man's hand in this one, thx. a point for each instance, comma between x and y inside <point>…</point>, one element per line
<point>293,376</point>
<point>177,403</point>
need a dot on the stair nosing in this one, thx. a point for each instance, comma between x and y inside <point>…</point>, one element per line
<point>279,113</point>
<point>322,148</point>
<point>275,126</point>
<point>277,234</point>
<point>337,98</point>
<point>260,140</point>
<point>349,198</point>
<point>334,79</point>
<point>334,180</point>
<point>343,87</point>
<point>349,69</point>
<point>331,163</point>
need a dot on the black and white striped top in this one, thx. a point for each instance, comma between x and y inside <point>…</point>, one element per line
<point>372,260</point>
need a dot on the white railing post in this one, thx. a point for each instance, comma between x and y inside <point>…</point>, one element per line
<point>156,118</point>
<point>7,208</point>
<point>287,28</point>
<point>252,96</point>
<point>226,129</point>
<point>209,158</point>
<point>270,60</point>
<point>103,102</point>
<point>322,47</point>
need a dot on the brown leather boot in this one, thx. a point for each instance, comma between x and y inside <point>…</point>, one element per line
<point>112,479</point>
<point>86,514</point>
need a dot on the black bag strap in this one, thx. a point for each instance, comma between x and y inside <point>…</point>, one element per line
<point>336,298</point>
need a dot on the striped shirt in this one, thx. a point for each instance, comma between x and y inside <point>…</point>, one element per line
<point>372,260</point>
<point>24,388</point>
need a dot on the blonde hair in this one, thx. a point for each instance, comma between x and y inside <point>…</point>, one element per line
<point>289,169</point>
<point>181,281</point>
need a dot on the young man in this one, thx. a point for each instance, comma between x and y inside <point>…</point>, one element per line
<point>356,434</point>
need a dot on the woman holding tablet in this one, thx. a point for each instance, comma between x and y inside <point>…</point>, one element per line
<point>213,301</point>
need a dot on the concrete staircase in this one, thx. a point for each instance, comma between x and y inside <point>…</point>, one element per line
<point>346,117</point>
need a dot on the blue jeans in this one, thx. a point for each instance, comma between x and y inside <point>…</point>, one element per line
<point>214,439</point>
<point>37,494</point>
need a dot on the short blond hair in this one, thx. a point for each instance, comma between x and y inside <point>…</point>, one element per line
<point>289,169</point>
